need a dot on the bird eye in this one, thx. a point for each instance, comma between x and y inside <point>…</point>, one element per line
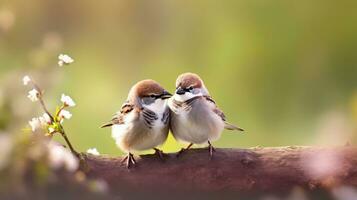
<point>190,88</point>
<point>152,96</point>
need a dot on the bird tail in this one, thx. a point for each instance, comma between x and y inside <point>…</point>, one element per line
<point>229,126</point>
<point>108,124</point>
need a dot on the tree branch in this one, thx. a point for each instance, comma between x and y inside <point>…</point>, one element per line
<point>231,170</point>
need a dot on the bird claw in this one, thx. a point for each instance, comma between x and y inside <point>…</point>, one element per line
<point>211,149</point>
<point>160,153</point>
<point>183,150</point>
<point>129,160</point>
<point>180,152</point>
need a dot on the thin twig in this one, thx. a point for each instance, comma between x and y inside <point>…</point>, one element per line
<point>63,133</point>
<point>41,100</point>
<point>53,119</point>
<point>45,109</point>
<point>60,109</point>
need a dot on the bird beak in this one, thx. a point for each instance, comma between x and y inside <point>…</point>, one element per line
<point>166,95</point>
<point>180,91</point>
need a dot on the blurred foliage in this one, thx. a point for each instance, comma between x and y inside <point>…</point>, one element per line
<point>285,71</point>
<point>27,172</point>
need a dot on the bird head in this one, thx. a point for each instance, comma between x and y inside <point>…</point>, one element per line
<point>148,93</point>
<point>189,85</point>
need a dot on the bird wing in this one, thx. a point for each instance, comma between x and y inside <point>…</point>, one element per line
<point>118,117</point>
<point>215,108</point>
<point>166,116</point>
<point>220,113</point>
<point>149,117</point>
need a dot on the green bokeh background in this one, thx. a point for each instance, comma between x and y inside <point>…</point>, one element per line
<point>285,71</point>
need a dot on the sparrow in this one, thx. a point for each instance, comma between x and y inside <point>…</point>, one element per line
<point>143,120</point>
<point>195,117</point>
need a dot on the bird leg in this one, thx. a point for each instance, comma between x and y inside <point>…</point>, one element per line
<point>133,159</point>
<point>211,149</point>
<point>160,153</point>
<point>183,150</point>
<point>129,159</point>
<point>124,159</point>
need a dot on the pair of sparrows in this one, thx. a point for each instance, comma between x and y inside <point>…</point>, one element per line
<point>150,112</point>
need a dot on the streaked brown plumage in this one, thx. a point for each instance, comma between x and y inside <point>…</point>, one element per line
<point>142,122</point>
<point>195,117</point>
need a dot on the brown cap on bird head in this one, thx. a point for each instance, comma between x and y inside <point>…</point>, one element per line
<point>187,80</point>
<point>147,88</point>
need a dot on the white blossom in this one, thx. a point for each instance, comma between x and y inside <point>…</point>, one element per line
<point>60,157</point>
<point>64,59</point>
<point>26,80</point>
<point>45,119</point>
<point>93,151</point>
<point>67,100</point>
<point>38,122</point>
<point>35,124</point>
<point>65,114</point>
<point>33,95</point>
<point>51,130</point>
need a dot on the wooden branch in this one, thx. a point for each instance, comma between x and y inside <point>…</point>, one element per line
<point>231,171</point>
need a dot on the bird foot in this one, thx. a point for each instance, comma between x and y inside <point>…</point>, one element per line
<point>129,160</point>
<point>180,152</point>
<point>160,154</point>
<point>183,150</point>
<point>211,149</point>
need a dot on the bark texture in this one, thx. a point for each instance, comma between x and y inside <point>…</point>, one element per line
<point>230,171</point>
